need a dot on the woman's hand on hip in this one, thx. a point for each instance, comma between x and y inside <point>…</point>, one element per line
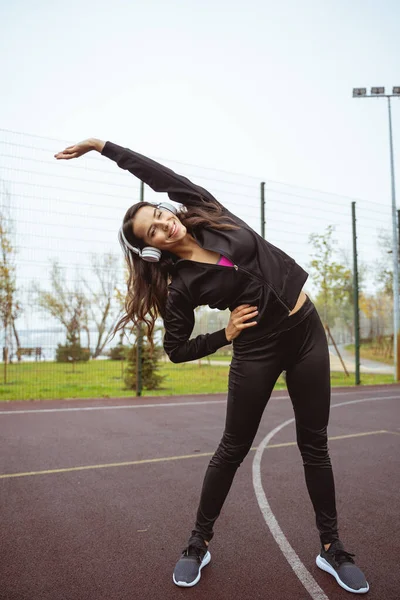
<point>237,320</point>
<point>81,148</point>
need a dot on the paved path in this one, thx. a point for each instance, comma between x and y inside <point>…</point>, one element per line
<point>97,499</point>
<point>366,366</point>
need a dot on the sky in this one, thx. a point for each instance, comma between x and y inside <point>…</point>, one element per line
<point>261,88</point>
<point>229,90</point>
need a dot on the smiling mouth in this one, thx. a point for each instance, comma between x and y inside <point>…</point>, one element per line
<point>173,230</point>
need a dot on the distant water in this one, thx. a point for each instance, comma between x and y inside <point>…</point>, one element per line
<point>48,340</point>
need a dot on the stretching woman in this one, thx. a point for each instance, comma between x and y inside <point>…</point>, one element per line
<point>202,254</point>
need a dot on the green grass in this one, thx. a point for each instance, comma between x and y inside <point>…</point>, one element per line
<point>340,379</point>
<point>367,351</point>
<point>220,357</point>
<point>103,379</point>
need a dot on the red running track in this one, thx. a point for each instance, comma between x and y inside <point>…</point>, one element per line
<point>115,529</point>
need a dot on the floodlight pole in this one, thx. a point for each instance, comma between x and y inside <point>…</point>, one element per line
<point>395,247</point>
<point>395,255</point>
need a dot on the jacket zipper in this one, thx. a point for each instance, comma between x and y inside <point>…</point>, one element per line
<point>236,267</point>
<point>264,283</point>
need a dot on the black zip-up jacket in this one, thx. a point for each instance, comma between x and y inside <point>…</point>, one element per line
<point>263,275</point>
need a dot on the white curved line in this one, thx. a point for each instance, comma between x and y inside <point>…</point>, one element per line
<point>289,553</point>
<point>149,405</point>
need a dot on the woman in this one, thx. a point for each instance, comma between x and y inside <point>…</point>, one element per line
<point>202,254</point>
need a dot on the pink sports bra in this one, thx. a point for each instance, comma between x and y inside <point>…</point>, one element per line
<point>225,262</point>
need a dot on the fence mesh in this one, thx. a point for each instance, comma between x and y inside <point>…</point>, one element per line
<point>61,219</point>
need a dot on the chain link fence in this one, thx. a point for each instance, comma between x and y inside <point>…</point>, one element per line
<point>63,274</point>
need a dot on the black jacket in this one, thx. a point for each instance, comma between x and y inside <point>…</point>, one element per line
<point>262,275</point>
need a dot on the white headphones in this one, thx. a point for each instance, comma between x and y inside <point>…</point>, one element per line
<point>148,253</point>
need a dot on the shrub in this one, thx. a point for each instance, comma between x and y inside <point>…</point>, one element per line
<point>72,351</point>
<point>118,352</point>
<point>151,379</point>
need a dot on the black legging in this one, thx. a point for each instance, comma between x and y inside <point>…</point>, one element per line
<point>302,352</point>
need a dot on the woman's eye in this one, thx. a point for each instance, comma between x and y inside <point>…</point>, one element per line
<point>154,229</point>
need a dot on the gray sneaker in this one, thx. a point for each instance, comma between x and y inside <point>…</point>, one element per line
<point>340,564</point>
<point>188,568</point>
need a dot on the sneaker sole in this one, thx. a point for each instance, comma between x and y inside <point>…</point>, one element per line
<point>325,566</point>
<point>204,562</point>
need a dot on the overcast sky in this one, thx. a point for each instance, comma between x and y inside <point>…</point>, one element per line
<point>262,87</point>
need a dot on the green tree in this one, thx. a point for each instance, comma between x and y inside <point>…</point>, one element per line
<point>379,307</point>
<point>101,299</point>
<point>10,308</point>
<point>88,303</point>
<point>72,352</point>
<point>332,279</point>
<point>68,306</point>
<point>151,379</point>
<point>384,264</point>
<point>119,351</point>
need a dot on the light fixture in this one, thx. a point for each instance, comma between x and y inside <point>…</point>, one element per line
<point>377,91</point>
<point>396,91</point>
<point>359,92</point>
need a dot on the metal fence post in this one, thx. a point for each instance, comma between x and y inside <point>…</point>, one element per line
<point>262,195</point>
<point>355,296</point>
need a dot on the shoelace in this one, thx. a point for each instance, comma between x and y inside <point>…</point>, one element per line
<point>342,556</point>
<point>194,550</point>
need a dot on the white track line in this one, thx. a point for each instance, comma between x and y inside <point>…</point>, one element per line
<point>158,405</point>
<point>84,408</point>
<point>289,553</point>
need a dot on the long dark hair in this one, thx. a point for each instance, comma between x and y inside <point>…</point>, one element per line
<point>147,284</point>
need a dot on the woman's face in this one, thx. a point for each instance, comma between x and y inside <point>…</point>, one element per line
<point>158,227</point>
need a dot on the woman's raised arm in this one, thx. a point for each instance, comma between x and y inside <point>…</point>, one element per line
<point>157,176</point>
